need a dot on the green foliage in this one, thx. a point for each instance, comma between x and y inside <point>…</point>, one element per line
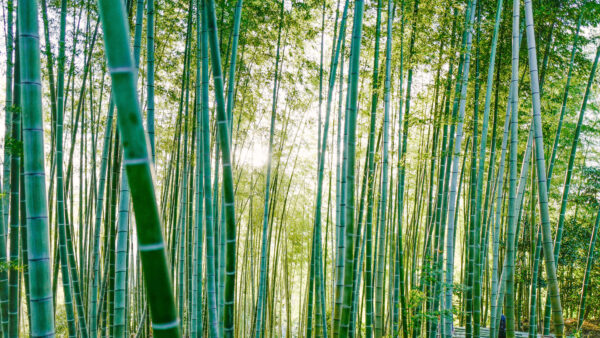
<point>291,201</point>
<point>12,265</point>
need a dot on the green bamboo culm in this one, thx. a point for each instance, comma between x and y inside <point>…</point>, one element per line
<point>22,246</point>
<point>138,168</point>
<point>198,285</point>
<point>444,171</point>
<point>376,311</point>
<point>351,112</point>
<point>95,263</point>
<point>60,201</point>
<point>120,294</point>
<point>588,267</point>
<point>237,18</point>
<point>567,184</point>
<point>38,238</point>
<point>72,266</point>
<point>399,273</point>
<point>534,282</point>
<point>137,33</point>
<point>386,127</point>
<point>120,312</point>
<point>372,318</point>
<point>434,213</point>
<point>404,121</point>
<point>509,266</point>
<point>228,192</point>
<point>481,165</point>
<point>316,261</point>
<point>3,275</point>
<point>182,224</point>
<point>262,286</point>
<point>107,298</point>
<point>554,292</point>
<point>563,107</point>
<point>496,217</point>
<point>474,294</point>
<point>150,75</point>
<point>15,165</point>
<point>211,288</point>
<point>7,127</point>
<point>336,303</point>
<point>5,189</point>
<point>453,192</point>
<point>94,281</point>
<point>506,287</point>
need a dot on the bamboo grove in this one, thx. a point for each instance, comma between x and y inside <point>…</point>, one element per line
<point>285,168</point>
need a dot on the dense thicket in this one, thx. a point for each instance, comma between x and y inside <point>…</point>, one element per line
<point>299,168</point>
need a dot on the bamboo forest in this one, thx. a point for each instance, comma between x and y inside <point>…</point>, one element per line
<point>299,168</point>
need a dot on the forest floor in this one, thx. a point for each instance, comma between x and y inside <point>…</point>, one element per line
<point>589,329</point>
<point>459,332</point>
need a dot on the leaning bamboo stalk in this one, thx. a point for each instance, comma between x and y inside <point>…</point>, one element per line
<point>541,174</point>
<point>228,191</point>
<point>138,166</point>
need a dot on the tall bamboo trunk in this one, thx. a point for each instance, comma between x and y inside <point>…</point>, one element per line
<point>38,242</point>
